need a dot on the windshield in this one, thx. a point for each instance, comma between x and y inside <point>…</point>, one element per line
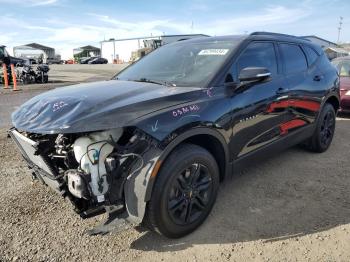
<point>180,64</point>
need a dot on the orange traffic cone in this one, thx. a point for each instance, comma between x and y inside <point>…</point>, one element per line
<point>6,80</point>
<point>14,79</point>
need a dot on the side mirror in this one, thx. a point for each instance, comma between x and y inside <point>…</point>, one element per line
<point>254,74</point>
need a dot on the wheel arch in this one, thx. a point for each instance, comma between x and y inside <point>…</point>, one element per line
<point>208,138</point>
<point>334,101</point>
<point>215,148</point>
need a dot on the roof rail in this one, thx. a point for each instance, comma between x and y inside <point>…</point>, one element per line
<point>273,34</point>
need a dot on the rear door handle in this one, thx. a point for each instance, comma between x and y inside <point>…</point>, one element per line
<point>318,78</point>
<point>281,91</point>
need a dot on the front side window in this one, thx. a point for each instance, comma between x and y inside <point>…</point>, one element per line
<point>182,63</point>
<point>258,54</point>
<point>294,58</point>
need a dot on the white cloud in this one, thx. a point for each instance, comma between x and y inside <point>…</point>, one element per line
<point>65,35</point>
<point>265,19</point>
<point>128,29</point>
<point>29,2</point>
<point>47,2</point>
<point>5,38</point>
<point>74,35</point>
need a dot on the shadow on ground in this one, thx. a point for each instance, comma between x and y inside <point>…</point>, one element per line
<point>289,195</point>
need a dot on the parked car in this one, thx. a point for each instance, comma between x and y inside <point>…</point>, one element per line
<point>86,60</point>
<point>51,61</point>
<point>7,59</point>
<point>69,61</point>
<point>152,144</point>
<point>98,60</point>
<point>27,61</point>
<point>343,66</point>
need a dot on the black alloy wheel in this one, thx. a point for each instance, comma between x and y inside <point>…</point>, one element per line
<point>184,192</point>
<point>190,194</point>
<point>324,132</point>
<point>327,128</point>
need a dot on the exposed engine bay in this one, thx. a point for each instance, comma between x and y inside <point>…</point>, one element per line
<point>90,169</point>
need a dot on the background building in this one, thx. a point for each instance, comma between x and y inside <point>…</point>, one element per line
<point>320,41</point>
<point>125,50</point>
<point>334,52</point>
<point>86,51</point>
<point>34,51</point>
<point>346,46</point>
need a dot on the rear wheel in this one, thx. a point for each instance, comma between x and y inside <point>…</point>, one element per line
<point>184,192</point>
<point>323,136</point>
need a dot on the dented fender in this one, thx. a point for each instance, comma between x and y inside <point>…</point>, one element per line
<point>136,186</point>
<point>138,189</point>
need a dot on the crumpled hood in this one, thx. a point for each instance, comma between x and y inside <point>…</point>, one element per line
<point>96,106</point>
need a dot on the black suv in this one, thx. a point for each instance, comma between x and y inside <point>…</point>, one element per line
<point>152,144</point>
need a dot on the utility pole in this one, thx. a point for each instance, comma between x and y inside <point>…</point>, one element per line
<point>339,28</point>
<point>113,50</point>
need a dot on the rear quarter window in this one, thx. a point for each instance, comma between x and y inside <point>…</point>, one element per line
<point>294,58</point>
<point>311,55</point>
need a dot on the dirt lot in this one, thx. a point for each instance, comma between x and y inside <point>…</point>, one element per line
<point>292,207</point>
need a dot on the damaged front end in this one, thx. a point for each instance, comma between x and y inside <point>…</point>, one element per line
<point>100,144</point>
<point>96,171</point>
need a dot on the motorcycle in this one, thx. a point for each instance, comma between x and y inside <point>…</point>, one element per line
<point>42,73</point>
<point>27,75</point>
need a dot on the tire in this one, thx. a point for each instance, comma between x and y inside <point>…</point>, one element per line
<point>176,209</point>
<point>323,135</point>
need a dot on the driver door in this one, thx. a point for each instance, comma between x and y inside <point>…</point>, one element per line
<point>259,109</point>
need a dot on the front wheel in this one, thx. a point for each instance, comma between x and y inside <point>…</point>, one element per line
<point>323,136</point>
<point>184,192</point>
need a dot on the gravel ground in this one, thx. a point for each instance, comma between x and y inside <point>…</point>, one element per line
<point>292,207</point>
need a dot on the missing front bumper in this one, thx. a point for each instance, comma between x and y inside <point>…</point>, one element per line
<point>36,161</point>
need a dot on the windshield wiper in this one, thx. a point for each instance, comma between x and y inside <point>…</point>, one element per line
<point>146,80</point>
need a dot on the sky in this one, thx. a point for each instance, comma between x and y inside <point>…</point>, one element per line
<point>67,24</point>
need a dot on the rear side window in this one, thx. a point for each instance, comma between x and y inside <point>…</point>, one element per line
<point>258,54</point>
<point>311,55</point>
<point>294,58</point>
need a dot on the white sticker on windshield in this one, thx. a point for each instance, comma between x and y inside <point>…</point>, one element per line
<point>213,52</point>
